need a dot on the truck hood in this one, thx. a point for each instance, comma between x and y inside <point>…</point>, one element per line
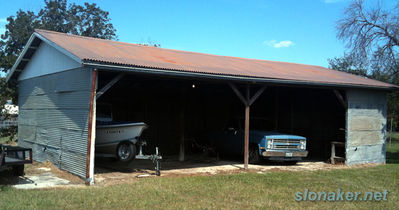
<point>273,134</point>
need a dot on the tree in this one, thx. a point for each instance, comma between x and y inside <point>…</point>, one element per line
<point>57,15</point>
<point>372,39</point>
<point>371,35</point>
<point>348,64</point>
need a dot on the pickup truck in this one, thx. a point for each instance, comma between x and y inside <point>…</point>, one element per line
<point>263,144</point>
<point>14,157</point>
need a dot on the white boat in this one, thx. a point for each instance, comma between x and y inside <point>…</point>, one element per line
<point>118,139</point>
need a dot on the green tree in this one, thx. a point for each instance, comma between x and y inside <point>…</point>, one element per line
<point>56,15</point>
<point>348,64</point>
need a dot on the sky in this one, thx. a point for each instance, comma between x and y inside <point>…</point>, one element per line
<point>298,31</point>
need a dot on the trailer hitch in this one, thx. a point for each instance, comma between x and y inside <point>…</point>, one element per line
<point>155,158</point>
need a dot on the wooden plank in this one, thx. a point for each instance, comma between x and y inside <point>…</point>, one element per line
<point>257,94</point>
<point>341,99</point>
<point>237,92</point>
<point>182,133</point>
<point>181,151</point>
<point>246,135</point>
<point>246,138</point>
<point>109,85</point>
<point>91,134</point>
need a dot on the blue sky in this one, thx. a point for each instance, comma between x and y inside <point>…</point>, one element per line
<point>280,30</point>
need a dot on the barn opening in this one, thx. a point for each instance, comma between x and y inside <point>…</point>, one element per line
<point>176,108</point>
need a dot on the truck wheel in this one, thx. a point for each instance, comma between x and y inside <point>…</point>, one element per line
<point>254,157</point>
<point>18,170</point>
<point>126,152</point>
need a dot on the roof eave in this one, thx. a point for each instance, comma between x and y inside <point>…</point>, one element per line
<point>28,45</point>
<point>167,72</point>
<point>19,59</point>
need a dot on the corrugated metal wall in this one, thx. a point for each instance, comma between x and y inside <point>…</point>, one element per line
<point>53,118</point>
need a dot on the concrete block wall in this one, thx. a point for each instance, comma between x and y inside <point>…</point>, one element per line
<point>366,126</point>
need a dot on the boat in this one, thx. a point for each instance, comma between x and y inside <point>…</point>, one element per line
<point>118,139</point>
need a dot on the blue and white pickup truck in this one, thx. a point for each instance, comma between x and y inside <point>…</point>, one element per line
<point>262,144</point>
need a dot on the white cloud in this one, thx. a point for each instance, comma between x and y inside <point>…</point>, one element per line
<point>275,44</point>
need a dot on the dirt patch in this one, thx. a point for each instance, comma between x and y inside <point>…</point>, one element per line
<point>38,168</point>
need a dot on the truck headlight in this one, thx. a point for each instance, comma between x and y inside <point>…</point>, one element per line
<point>269,144</point>
<point>303,145</point>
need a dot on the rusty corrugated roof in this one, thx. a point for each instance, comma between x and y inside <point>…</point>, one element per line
<point>120,53</point>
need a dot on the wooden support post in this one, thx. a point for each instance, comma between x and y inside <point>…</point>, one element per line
<point>109,85</point>
<point>247,101</point>
<point>341,99</point>
<point>182,110</point>
<point>246,135</point>
<point>276,111</point>
<point>181,153</point>
<point>91,131</point>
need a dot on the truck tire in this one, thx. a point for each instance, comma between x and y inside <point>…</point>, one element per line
<point>18,170</point>
<point>254,157</point>
<point>126,152</point>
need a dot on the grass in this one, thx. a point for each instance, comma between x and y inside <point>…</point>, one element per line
<point>4,140</point>
<point>245,190</point>
<point>393,149</point>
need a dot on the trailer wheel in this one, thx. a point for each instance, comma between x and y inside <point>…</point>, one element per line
<point>126,152</point>
<point>18,170</point>
<point>254,157</point>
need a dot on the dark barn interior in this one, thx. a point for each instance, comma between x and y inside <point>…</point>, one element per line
<point>171,105</point>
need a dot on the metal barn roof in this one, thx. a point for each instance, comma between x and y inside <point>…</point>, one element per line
<point>102,52</point>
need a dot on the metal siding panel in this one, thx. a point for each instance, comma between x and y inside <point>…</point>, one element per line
<point>47,60</point>
<point>53,123</point>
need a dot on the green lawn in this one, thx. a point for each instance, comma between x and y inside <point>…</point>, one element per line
<point>4,140</point>
<point>245,190</point>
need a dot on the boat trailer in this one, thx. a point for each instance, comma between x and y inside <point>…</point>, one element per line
<point>155,158</point>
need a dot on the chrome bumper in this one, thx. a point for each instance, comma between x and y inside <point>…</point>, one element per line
<point>284,153</point>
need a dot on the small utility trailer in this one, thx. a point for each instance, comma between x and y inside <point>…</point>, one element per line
<point>14,157</point>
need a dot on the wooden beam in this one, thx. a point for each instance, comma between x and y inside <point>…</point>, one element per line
<point>109,85</point>
<point>246,134</point>
<point>247,101</point>
<point>235,89</point>
<point>182,127</point>
<point>91,132</point>
<point>341,99</point>
<point>257,94</point>
<point>276,111</point>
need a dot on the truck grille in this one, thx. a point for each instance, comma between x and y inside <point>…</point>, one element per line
<point>287,141</point>
<point>286,144</point>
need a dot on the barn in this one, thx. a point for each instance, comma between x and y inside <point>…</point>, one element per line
<point>63,79</point>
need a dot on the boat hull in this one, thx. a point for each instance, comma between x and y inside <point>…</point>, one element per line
<point>108,136</point>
